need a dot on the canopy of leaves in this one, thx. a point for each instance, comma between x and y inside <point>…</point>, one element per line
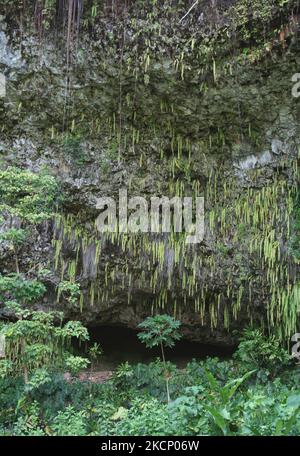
<point>27,195</point>
<point>14,236</point>
<point>257,351</point>
<point>16,287</point>
<point>160,329</point>
<point>36,341</point>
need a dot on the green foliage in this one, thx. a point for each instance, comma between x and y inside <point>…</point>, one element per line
<point>256,351</point>
<point>14,236</point>
<point>40,377</point>
<point>150,378</point>
<point>74,329</point>
<point>35,342</point>
<point>212,398</point>
<point>145,418</point>
<point>29,422</point>
<point>6,368</point>
<point>95,351</point>
<point>160,329</point>
<point>122,376</point>
<point>27,195</point>
<point>71,290</point>
<point>209,396</point>
<point>70,422</point>
<point>75,364</point>
<point>295,238</point>
<point>276,413</point>
<point>224,249</point>
<point>72,146</point>
<point>220,404</point>
<point>14,286</point>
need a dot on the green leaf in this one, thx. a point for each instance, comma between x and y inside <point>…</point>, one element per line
<point>120,414</point>
<point>218,418</point>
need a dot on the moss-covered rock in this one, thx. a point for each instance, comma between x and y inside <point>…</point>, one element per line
<point>139,98</point>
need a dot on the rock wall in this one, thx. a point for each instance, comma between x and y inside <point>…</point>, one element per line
<point>140,98</point>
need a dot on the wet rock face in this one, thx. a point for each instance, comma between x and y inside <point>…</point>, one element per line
<point>161,122</point>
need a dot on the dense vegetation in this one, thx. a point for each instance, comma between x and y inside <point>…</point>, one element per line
<point>140,96</point>
<point>256,393</point>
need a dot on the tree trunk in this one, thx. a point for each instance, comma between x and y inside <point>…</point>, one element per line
<point>165,369</point>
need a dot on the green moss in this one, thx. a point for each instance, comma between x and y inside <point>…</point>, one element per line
<point>295,238</point>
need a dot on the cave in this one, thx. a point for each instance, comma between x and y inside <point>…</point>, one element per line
<point>121,344</point>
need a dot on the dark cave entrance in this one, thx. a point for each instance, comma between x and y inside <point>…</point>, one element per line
<point>121,344</point>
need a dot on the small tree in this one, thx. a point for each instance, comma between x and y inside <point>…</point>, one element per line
<point>34,342</point>
<point>70,290</point>
<point>76,363</point>
<point>29,198</point>
<point>259,351</point>
<point>95,351</point>
<point>27,195</point>
<point>163,331</point>
<point>15,291</point>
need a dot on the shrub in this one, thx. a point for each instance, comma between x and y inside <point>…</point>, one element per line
<point>149,417</point>
<point>69,422</point>
<point>257,351</point>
